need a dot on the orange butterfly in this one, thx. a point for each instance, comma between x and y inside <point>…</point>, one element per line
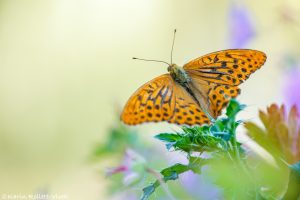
<point>195,93</point>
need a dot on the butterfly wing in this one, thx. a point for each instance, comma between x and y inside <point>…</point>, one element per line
<point>187,110</point>
<point>215,77</point>
<point>227,67</point>
<point>162,99</point>
<point>152,102</point>
<point>212,97</point>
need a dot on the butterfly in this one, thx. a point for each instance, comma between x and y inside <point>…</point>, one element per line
<point>196,93</point>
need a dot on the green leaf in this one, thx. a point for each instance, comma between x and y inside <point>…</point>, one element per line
<point>296,168</point>
<point>168,137</point>
<point>293,191</point>
<point>172,173</point>
<point>196,139</point>
<point>148,191</point>
<point>233,108</point>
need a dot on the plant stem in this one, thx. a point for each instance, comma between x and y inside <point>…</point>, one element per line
<point>162,182</point>
<point>238,157</point>
<point>241,163</point>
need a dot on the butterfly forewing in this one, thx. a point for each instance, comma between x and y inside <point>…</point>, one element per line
<point>227,67</point>
<point>162,99</point>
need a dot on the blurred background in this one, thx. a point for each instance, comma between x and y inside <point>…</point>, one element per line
<point>66,71</point>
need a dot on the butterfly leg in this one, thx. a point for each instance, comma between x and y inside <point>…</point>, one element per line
<point>208,115</point>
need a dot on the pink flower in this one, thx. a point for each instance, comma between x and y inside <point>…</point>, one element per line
<point>281,133</point>
<point>132,167</point>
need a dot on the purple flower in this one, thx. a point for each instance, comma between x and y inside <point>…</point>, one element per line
<point>200,186</point>
<point>291,88</point>
<point>241,28</point>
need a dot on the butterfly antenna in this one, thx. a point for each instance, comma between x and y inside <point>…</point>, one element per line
<point>173,45</point>
<point>150,60</point>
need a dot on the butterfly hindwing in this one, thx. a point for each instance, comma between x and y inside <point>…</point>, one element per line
<point>162,99</point>
<point>187,111</point>
<point>227,67</point>
<point>212,97</point>
<point>219,97</point>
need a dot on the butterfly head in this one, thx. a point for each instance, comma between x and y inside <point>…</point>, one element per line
<point>172,68</point>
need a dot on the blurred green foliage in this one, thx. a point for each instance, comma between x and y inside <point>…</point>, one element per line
<point>135,159</point>
<point>217,139</point>
<point>280,137</point>
<point>240,173</point>
<point>118,140</point>
<point>293,191</point>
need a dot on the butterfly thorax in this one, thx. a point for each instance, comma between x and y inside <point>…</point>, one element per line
<point>178,74</point>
